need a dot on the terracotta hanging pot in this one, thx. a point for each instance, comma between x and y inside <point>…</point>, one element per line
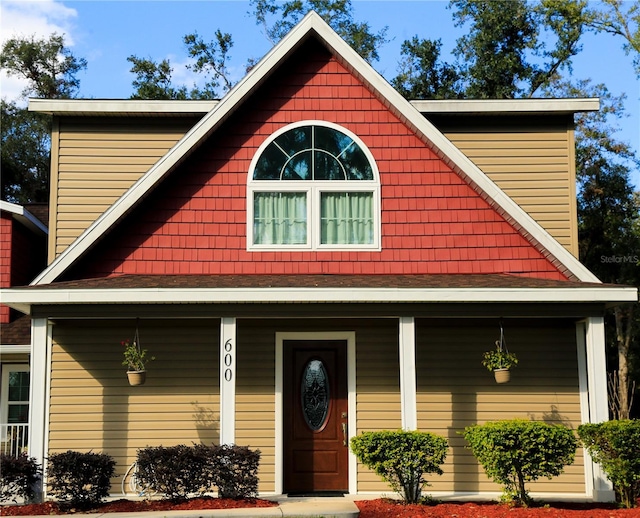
<point>136,378</point>
<point>502,375</point>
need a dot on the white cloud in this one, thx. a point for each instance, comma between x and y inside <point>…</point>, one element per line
<point>41,18</point>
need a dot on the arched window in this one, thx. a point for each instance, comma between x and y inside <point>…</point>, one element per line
<point>313,185</point>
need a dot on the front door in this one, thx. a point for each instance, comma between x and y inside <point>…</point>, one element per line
<point>315,416</point>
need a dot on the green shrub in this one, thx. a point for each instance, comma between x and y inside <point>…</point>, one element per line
<point>235,471</point>
<point>401,458</point>
<point>175,471</point>
<point>80,480</point>
<point>615,445</point>
<point>181,471</point>
<point>517,451</point>
<point>18,477</point>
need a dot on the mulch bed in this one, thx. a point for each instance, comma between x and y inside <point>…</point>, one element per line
<point>129,506</point>
<point>387,508</point>
<point>378,508</point>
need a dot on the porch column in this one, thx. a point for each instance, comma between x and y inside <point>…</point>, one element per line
<point>39,393</point>
<point>408,401</point>
<point>228,381</point>
<point>593,388</point>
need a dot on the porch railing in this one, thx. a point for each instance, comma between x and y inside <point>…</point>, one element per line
<point>14,439</point>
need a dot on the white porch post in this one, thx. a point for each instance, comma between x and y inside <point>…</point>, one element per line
<point>408,400</point>
<point>228,381</point>
<point>591,334</point>
<point>39,393</point>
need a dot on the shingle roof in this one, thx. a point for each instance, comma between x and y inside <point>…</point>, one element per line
<point>314,281</point>
<point>16,332</point>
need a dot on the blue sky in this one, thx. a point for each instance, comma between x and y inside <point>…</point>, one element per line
<point>105,33</point>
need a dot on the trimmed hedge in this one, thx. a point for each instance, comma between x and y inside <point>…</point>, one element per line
<point>80,480</point>
<point>516,451</point>
<point>402,458</point>
<point>181,471</point>
<point>18,477</point>
<point>615,445</point>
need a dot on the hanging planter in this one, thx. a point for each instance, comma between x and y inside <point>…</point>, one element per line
<point>136,377</point>
<point>135,359</point>
<point>500,360</point>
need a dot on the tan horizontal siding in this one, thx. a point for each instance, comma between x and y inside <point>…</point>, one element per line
<point>455,391</point>
<point>94,161</point>
<point>92,407</point>
<point>378,388</point>
<point>531,158</point>
<point>255,397</point>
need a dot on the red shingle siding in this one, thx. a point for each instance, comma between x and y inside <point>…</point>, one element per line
<point>5,260</point>
<point>432,221</point>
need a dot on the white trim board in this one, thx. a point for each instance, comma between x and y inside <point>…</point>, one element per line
<point>22,299</point>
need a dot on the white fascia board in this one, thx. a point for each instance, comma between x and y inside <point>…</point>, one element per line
<point>14,349</point>
<point>119,106</point>
<point>25,217</point>
<point>22,299</point>
<point>311,22</point>
<point>514,106</point>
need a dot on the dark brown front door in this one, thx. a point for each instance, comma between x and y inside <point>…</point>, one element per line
<point>315,416</point>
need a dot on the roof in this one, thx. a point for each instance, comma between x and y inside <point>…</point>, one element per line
<point>191,289</point>
<point>312,26</point>
<point>137,108</point>
<point>16,332</point>
<point>22,215</point>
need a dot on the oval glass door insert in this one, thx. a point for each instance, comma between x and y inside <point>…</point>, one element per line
<point>315,394</point>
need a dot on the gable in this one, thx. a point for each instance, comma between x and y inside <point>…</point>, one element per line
<point>433,221</point>
<point>312,27</point>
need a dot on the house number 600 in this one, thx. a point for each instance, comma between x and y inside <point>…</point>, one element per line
<point>228,360</point>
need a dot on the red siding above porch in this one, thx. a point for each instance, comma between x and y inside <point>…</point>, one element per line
<point>432,221</point>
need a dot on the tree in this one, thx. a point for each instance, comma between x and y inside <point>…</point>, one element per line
<point>50,71</point>
<point>48,66</point>
<point>613,19</point>
<point>211,58</point>
<point>505,51</point>
<point>25,146</point>
<point>422,75</point>
<point>337,13</point>
<point>153,80</point>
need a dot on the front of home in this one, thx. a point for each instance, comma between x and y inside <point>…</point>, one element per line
<point>312,257</point>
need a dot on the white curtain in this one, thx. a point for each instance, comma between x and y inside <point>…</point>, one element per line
<point>347,218</point>
<point>280,218</point>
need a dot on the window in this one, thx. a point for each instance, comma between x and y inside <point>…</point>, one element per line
<point>313,185</point>
<point>14,408</point>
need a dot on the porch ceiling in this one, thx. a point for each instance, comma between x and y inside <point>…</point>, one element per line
<point>186,289</point>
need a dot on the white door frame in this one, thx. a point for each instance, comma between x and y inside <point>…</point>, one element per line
<point>350,338</point>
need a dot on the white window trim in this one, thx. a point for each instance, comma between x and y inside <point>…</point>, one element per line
<point>314,189</point>
<point>4,392</point>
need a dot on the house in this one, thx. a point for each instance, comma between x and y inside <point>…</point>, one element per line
<point>23,253</point>
<point>311,257</point>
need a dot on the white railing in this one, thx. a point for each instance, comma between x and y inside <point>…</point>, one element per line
<point>14,439</point>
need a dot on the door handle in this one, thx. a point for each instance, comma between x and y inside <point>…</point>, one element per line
<point>344,434</point>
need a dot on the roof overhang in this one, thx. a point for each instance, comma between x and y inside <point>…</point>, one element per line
<point>507,106</point>
<point>22,215</point>
<point>316,289</point>
<point>134,107</point>
<point>121,107</point>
